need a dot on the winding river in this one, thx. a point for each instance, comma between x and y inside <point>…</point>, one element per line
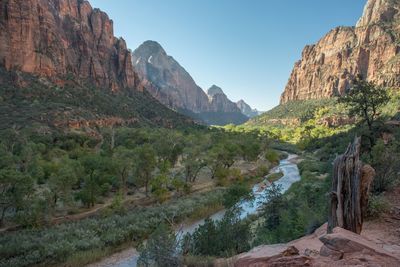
<point>288,167</point>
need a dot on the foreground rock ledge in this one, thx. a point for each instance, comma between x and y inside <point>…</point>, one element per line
<point>341,248</point>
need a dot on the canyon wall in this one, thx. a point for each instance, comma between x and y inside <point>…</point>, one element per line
<point>370,49</point>
<point>63,39</point>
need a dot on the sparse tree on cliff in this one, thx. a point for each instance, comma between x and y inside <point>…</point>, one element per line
<point>366,99</point>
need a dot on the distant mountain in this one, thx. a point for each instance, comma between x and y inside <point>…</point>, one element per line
<point>219,102</point>
<point>173,86</point>
<point>247,110</point>
<point>370,49</point>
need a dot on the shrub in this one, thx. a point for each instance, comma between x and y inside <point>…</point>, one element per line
<point>377,205</point>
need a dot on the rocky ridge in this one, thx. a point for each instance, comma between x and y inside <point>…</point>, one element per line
<point>370,49</point>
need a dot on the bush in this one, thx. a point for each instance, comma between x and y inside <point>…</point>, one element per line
<point>385,160</point>
<point>377,205</point>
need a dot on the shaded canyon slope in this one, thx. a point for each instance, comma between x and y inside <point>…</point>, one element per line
<point>46,45</point>
<point>173,86</point>
<point>370,49</point>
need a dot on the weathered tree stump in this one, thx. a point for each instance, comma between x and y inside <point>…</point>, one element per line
<point>350,189</point>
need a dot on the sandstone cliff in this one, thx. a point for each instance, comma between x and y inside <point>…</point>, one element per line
<point>63,39</point>
<point>370,49</point>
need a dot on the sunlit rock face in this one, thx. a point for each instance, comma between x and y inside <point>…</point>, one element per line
<point>370,49</point>
<point>62,39</point>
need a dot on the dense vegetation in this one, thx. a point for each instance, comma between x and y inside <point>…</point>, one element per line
<point>45,176</point>
<point>303,208</point>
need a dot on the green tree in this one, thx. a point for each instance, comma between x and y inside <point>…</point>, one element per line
<point>95,166</point>
<point>365,99</point>
<point>385,160</point>
<point>145,165</point>
<point>223,238</point>
<point>159,184</point>
<point>235,193</point>
<point>65,175</point>
<point>274,203</point>
<point>123,160</point>
<point>161,249</point>
<point>15,189</point>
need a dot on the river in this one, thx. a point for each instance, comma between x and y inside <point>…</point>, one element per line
<point>288,167</point>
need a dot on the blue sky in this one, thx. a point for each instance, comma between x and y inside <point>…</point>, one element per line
<point>247,47</point>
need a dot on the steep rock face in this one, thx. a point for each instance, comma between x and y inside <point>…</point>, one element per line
<point>247,110</point>
<point>174,86</point>
<point>219,102</point>
<point>370,49</point>
<point>60,38</point>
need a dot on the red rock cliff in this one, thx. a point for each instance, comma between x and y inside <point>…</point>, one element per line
<point>63,38</point>
<point>370,49</point>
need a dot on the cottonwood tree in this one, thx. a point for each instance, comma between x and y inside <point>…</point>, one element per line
<point>145,165</point>
<point>15,187</point>
<point>124,161</point>
<point>64,176</point>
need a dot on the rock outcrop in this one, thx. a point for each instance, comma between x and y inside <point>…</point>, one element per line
<point>63,40</point>
<point>340,248</point>
<point>370,49</point>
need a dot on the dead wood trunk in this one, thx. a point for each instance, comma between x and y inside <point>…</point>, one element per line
<point>350,188</point>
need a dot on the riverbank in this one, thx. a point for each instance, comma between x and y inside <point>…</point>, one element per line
<point>128,257</point>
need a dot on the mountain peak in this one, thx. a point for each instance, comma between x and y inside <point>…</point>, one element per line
<point>215,90</point>
<point>379,11</point>
<point>149,48</point>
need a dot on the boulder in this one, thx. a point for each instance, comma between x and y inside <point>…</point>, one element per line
<point>343,245</point>
<point>273,255</point>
